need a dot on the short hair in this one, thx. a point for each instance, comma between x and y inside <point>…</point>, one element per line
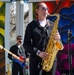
<point>19,36</point>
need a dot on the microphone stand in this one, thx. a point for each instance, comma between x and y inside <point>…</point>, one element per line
<point>70,51</point>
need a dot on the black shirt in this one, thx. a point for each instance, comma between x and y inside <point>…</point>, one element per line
<point>36,37</point>
<point>15,49</point>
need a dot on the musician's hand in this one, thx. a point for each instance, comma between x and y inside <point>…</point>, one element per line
<point>57,36</point>
<point>43,55</point>
<point>27,59</point>
<point>21,60</point>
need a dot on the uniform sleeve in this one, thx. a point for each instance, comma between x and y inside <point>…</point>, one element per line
<point>27,44</point>
<point>9,55</point>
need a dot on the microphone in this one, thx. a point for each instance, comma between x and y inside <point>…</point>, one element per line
<point>69,34</point>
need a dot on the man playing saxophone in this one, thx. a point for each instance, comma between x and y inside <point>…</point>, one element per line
<point>36,39</point>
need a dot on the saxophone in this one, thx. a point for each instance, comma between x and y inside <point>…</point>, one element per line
<point>53,47</point>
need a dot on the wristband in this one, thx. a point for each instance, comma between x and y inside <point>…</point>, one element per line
<point>38,52</point>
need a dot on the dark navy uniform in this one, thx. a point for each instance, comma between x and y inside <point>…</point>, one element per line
<point>36,38</point>
<point>16,67</point>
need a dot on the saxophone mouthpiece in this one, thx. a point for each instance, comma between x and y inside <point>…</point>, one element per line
<point>48,14</point>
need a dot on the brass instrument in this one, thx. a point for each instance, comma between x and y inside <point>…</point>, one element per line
<point>53,47</point>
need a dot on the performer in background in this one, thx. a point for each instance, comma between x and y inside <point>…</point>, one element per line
<point>36,38</point>
<point>18,50</point>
